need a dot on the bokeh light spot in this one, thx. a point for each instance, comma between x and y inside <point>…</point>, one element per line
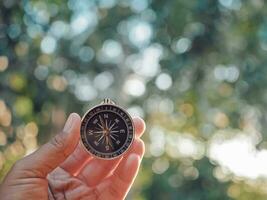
<point>182,45</point>
<point>134,86</point>
<point>48,44</point>
<point>160,165</point>
<point>23,106</point>
<point>17,82</point>
<point>58,83</point>
<point>164,81</point>
<point>103,80</point>
<point>3,139</point>
<point>140,33</point>
<point>5,115</point>
<point>3,63</point>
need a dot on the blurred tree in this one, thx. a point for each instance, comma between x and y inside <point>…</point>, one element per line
<point>194,69</point>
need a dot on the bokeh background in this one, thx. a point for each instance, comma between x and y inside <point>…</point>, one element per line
<point>194,70</point>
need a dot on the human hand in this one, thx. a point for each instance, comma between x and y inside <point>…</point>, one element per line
<point>62,169</point>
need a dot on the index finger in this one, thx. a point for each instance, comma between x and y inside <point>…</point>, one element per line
<point>118,184</point>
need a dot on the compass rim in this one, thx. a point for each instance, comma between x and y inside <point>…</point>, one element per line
<point>110,157</point>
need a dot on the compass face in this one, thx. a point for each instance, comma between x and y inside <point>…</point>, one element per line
<point>107,131</point>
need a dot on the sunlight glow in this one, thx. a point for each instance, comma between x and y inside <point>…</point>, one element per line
<point>239,155</point>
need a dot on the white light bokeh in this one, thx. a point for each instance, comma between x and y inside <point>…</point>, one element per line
<point>86,54</point>
<point>157,138</point>
<point>103,80</point>
<point>83,89</point>
<point>83,21</point>
<point>184,146</point>
<point>231,4</point>
<point>48,44</point>
<point>140,33</point>
<point>136,111</point>
<point>111,52</point>
<point>239,155</point>
<point>134,86</point>
<point>40,13</point>
<point>226,73</point>
<point>182,45</point>
<point>160,165</point>
<point>146,63</point>
<point>59,29</point>
<point>106,3</point>
<point>164,81</point>
<point>187,146</point>
<point>166,106</point>
<point>41,72</point>
<point>138,5</point>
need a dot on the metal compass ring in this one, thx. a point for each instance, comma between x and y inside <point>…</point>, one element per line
<point>107,130</point>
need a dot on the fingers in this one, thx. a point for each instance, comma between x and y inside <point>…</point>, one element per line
<point>50,155</point>
<point>139,126</point>
<point>98,169</point>
<point>81,159</point>
<point>76,161</point>
<point>118,184</point>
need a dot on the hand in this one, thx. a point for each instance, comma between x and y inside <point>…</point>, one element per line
<point>62,169</point>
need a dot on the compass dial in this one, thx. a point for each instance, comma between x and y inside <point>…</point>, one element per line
<point>107,131</point>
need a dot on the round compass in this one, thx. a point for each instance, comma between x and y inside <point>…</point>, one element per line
<point>107,130</point>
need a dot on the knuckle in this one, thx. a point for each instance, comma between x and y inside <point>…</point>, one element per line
<point>120,182</point>
<point>58,141</point>
<point>140,147</point>
<point>142,144</point>
<point>143,147</point>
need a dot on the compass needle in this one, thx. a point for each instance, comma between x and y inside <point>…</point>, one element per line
<point>114,134</point>
<point>98,131</point>
<point>103,141</point>
<point>101,121</point>
<point>106,124</point>
<point>100,126</point>
<point>112,137</point>
<point>110,143</point>
<point>112,126</point>
<point>97,136</point>
<point>101,138</point>
<point>107,140</point>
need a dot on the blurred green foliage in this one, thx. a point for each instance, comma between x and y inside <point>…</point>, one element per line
<point>195,70</point>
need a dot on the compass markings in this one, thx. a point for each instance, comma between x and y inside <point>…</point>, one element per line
<point>110,131</point>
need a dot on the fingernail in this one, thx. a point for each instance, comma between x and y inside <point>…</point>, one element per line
<point>131,166</point>
<point>132,159</point>
<point>68,124</point>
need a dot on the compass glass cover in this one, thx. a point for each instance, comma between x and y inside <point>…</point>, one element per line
<point>107,131</point>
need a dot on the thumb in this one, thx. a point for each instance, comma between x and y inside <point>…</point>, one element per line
<point>53,153</point>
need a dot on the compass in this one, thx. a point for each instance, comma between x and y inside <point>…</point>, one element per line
<point>107,130</point>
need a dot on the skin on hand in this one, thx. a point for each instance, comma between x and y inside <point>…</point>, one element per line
<point>62,169</point>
